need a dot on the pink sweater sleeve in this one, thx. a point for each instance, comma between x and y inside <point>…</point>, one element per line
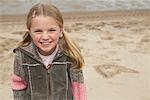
<point>17,83</point>
<point>78,86</point>
<point>79,91</point>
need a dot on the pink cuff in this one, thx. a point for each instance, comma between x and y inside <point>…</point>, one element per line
<point>79,91</point>
<point>17,83</point>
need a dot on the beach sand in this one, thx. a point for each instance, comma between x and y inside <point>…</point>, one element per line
<point>116,48</point>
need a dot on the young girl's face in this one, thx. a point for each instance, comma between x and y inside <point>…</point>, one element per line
<point>45,33</point>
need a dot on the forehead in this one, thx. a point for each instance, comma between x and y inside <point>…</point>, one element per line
<point>43,21</point>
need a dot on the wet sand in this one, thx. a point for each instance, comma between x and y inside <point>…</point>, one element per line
<point>115,45</point>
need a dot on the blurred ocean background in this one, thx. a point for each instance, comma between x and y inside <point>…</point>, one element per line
<point>15,7</point>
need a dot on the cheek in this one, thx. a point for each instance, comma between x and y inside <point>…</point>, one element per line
<point>35,37</point>
<point>56,36</point>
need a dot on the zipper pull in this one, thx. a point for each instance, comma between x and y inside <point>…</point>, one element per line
<point>48,68</point>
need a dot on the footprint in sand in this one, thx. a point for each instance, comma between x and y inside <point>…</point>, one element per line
<point>75,27</point>
<point>7,44</point>
<point>138,30</point>
<point>145,39</point>
<point>101,24</point>
<point>79,24</point>
<point>93,27</point>
<point>107,36</point>
<point>68,29</point>
<point>119,43</point>
<point>110,70</point>
<point>143,46</point>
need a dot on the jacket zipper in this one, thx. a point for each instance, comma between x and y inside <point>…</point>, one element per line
<point>49,83</point>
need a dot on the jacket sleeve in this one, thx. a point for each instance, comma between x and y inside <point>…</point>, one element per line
<point>78,86</point>
<point>18,83</point>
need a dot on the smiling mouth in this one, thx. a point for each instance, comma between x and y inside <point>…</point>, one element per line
<point>45,43</point>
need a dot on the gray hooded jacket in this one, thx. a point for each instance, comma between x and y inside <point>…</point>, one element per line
<point>54,83</point>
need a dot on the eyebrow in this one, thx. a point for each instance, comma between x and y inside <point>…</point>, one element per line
<point>48,28</point>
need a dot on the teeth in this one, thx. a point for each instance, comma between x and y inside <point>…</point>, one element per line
<point>45,43</point>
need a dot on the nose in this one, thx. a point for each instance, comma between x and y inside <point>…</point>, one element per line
<point>45,36</point>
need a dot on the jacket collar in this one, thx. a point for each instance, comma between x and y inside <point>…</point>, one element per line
<point>30,50</point>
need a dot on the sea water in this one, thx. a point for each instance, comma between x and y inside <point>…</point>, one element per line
<point>23,6</point>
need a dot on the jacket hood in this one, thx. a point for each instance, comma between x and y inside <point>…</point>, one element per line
<point>31,48</point>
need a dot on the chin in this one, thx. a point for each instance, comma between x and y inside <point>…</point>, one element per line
<point>46,50</point>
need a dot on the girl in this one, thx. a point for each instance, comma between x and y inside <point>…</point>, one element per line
<point>47,65</point>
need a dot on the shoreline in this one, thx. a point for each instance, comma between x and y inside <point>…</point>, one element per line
<point>85,16</point>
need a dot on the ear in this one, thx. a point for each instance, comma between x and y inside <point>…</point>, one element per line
<point>61,32</point>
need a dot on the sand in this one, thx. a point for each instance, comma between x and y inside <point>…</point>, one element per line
<point>116,48</point>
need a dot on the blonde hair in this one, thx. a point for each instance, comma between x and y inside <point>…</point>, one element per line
<point>67,45</point>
